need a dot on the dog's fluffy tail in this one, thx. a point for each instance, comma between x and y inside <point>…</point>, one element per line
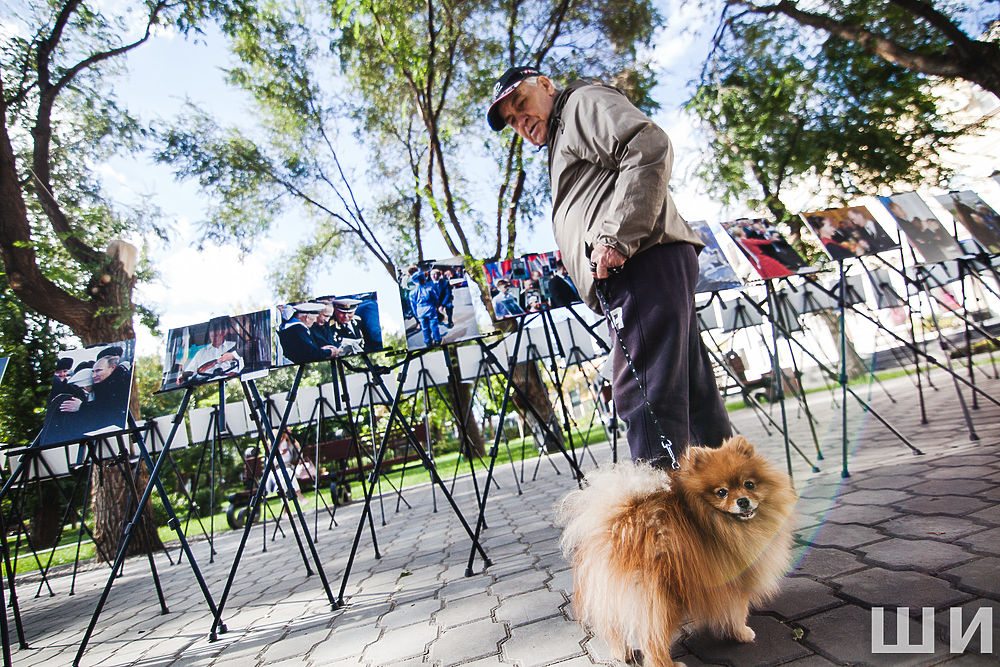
<point>591,511</point>
<point>592,517</point>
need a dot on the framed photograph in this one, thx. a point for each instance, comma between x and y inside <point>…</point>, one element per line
<point>222,348</point>
<point>90,393</point>
<point>923,230</point>
<point>328,327</point>
<point>529,284</point>
<point>770,253</point>
<point>437,304</point>
<point>847,232</point>
<point>714,270</point>
<point>976,216</point>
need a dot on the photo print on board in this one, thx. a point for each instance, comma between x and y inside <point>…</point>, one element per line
<point>976,216</point>
<point>850,231</point>
<point>328,327</point>
<point>437,304</point>
<point>714,271</point>
<point>222,348</point>
<point>923,230</point>
<point>770,253</point>
<point>529,284</point>
<point>90,393</point>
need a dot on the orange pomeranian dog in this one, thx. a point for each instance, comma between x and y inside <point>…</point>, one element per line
<point>653,549</point>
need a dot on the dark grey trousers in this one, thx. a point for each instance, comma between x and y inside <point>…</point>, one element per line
<point>655,292</point>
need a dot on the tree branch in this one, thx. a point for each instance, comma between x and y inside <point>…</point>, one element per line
<point>18,253</point>
<point>42,130</point>
<point>944,65</point>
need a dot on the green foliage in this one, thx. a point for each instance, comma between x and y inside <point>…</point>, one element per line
<point>31,342</point>
<point>411,79</point>
<point>782,110</point>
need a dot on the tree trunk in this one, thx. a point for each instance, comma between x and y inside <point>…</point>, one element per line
<point>855,364</point>
<point>46,515</point>
<point>473,444</point>
<point>528,379</point>
<point>112,506</point>
<point>112,494</point>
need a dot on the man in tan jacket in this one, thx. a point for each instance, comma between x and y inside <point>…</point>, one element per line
<point>619,231</point>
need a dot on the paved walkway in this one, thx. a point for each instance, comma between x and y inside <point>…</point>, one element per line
<point>901,531</point>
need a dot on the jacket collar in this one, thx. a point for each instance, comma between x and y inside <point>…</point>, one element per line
<point>555,118</point>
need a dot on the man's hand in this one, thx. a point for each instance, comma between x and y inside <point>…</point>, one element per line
<point>605,261</point>
<point>70,405</point>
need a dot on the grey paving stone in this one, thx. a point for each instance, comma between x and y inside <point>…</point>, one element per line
<point>981,576</point>
<point>811,661</point>
<point>543,642</point>
<point>461,588</point>
<point>800,596</point>
<point>987,542</point>
<point>934,527</point>
<point>861,514</point>
<point>951,505</point>
<point>826,563</point>
<point>529,607</point>
<point>844,536</point>
<point>562,581</point>
<point>951,487</point>
<point>990,515</point>
<point>881,588</point>
<point>479,639</point>
<point>573,662</point>
<point>845,634</point>
<point>774,645</point>
<point>409,613</point>
<point>400,643</point>
<point>955,472</point>
<point>924,555</point>
<point>465,609</point>
<point>874,497</point>
<point>345,643</point>
<point>521,582</point>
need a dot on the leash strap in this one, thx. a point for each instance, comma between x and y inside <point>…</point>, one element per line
<point>665,442</point>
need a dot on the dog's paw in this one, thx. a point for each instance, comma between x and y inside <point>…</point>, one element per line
<point>744,634</point>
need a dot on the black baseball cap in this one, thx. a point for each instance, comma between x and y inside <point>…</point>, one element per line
<point>504,86</point>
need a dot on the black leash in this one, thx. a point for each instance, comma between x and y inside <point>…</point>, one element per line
<point>665,442</point>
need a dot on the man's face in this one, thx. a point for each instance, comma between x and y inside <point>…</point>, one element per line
<point>528,108</point>
<point>218,336</point>
<point>62,374</point>
<point>342,316</point>
<point>102,369</point>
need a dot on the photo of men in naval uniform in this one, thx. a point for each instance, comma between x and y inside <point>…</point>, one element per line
<point>437,304</point>
<point>328,327</point>
<point>93,400</point>
<point>224,347</point>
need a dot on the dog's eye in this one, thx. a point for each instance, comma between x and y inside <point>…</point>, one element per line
<point>749,485</point>
<point>722,493</point>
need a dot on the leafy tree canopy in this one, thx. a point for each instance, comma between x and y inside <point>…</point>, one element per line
<point>399,90</point>
<point>782,109</point>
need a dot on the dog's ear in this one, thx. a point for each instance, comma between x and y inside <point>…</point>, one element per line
<point>696,457</point>
<point>741,445</point>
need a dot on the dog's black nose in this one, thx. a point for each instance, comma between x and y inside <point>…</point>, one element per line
<point>743,503</point>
